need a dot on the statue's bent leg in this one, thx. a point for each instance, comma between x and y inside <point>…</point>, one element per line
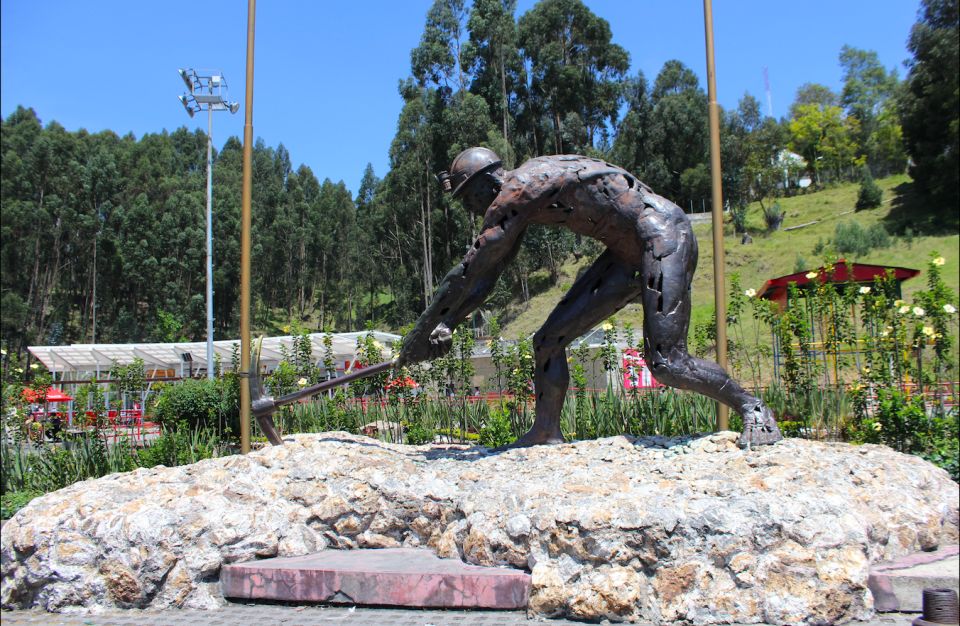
<point>666,320</point>
<point>601,291</point>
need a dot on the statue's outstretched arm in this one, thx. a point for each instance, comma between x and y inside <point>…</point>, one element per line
<point>468,284</point>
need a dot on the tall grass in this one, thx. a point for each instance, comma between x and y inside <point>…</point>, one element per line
<point>608,412</point>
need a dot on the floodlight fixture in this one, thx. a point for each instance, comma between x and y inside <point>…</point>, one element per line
<point>207,92</point>
<point>186,104</point>
<point>185,75</point>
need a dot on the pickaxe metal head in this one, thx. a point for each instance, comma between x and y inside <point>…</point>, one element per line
<point>265,406</point>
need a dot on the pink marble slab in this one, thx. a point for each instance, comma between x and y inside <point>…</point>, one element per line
<point>389,577</point>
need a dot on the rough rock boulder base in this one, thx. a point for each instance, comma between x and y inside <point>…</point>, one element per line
<point>681,529</point>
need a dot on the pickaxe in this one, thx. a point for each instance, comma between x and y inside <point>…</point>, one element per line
<point>265,406</point>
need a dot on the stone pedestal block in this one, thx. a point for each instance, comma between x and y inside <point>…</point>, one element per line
<point>389,577</point>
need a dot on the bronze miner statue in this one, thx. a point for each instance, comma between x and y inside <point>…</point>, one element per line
<point>651,254</point>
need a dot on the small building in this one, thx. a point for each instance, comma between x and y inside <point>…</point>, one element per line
<point>842,274</point>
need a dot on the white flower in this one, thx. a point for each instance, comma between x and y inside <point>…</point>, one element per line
<point>904,309</point>
<point>939,261</point>
<point>34,366</point>
<point>864,291</point>
<point>3,352</point>
<point>750,293</point>
<point>302,382</point>
<point>949,308</point>
<point>811,275</point>
<point>918,311</point>
<point>607,326</point>
<point>928,331</point>
<point>377,345</point>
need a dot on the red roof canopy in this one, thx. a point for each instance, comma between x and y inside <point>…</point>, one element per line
<point>776,288</point>
<point>53,395</point>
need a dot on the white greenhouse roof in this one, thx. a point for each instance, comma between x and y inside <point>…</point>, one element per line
<point>164,356</point>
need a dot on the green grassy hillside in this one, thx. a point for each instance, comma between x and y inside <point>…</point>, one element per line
<point>915,232</point>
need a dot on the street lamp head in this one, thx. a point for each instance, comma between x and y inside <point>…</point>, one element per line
<point>186,105</point>
<point>185,75</point>
<point>234,107</point>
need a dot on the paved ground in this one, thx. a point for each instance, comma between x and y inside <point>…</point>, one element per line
<point>269,614</point>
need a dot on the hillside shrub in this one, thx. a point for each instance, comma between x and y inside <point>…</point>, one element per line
<point>773,216</point>
<point>870,195</point>
<point>738,215</point>
<point>850,238</point>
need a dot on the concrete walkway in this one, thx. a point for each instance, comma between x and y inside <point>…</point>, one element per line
<point>270,614</point>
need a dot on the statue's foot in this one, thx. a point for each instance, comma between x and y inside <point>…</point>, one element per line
<point>532,438</point>
<point>759,428</point>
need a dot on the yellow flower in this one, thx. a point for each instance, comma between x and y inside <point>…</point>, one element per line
<point>918,311</point>
<point>302,382</point>
<point>949,308</point>
<point>939,261</point>
<point>864,290</point>
<point>928,331</point>
<point>905,309</point>
<point>750,293</point>
<point>378,345</point>
<point>607,326</point>
<point>877,426</point>
<point>811,275</point>
<point>898,303</point>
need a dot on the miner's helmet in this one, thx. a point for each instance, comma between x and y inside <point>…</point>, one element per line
<point>468,164</point>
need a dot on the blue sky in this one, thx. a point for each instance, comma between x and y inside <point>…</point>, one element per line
<point>326,72</point>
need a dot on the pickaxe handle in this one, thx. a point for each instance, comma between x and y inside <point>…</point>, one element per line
<point>265,407</point>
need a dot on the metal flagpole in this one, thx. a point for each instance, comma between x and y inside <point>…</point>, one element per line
<point>719,261</point>
<point>245,237</point>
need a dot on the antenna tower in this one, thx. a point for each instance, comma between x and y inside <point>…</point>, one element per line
<point>766,85</point>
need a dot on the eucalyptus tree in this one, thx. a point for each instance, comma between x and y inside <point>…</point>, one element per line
<point>679,140</point>
<point>813,93</point>
<point>632,147</point>
<point>868,96</point>
<point>576,71</point>
<point>930,102</point>
<point>492,57</point>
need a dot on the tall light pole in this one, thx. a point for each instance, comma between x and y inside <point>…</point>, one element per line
<point>207,92</point>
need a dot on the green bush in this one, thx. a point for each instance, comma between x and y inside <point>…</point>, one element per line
<point>773,216</point>
<point>419,433</point>
<point>13,501</point>
<point>738,215</point>
<point>850,238</point>
<point>179,447</point>
<point>870,195</point>
<point>496,430</point>
<point>201,404</point>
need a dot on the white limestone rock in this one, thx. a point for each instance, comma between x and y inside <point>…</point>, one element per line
<point>689,530</point>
